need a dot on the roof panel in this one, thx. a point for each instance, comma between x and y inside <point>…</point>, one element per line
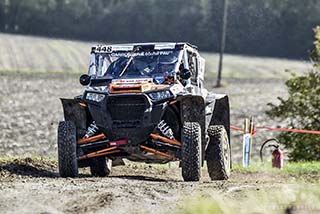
<point>130,46</point>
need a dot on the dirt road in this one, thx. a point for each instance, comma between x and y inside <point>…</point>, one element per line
<point>32,186</point>
<point>30,112</point>
<point>31,109</point>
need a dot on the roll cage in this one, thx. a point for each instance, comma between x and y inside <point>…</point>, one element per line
<point>146,60</point>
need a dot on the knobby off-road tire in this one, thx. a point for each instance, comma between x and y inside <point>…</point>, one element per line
<point>67,149</point>
<point>218,153</point>
<point>191,151</point>
<point>99,167</point>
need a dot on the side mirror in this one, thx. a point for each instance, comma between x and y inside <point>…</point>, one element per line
<point>185,74</point>
<point>85,79</point>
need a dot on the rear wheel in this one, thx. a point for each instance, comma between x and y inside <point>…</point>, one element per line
<point>99,167</point>
<point>218,153</point>
<point>67,149</point>
<point>191,151</point>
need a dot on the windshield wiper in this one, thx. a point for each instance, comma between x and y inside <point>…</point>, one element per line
<point>126,67</point>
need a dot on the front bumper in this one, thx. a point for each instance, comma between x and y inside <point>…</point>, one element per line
<point>127,116</point>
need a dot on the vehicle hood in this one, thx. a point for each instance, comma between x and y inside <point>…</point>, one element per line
<point>121,86</point>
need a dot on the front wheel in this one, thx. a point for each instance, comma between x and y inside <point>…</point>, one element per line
<point>218,153</point>
<point>191,151</point>
<point>67,149</point>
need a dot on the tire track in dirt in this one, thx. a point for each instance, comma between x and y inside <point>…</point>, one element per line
<point>32,185</point>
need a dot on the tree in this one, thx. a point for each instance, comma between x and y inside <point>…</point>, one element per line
<point>301,110</point>
<point>255,27</point>
<point>2,16</point>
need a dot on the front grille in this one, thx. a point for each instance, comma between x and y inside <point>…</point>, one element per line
<point>126,111</point>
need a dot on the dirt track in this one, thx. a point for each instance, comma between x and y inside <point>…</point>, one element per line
<point>32,186</point>
<point>31,109</point>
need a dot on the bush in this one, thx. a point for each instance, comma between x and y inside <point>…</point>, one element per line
<point>301,110</point>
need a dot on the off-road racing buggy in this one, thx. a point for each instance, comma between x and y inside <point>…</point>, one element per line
<point>145,102</point>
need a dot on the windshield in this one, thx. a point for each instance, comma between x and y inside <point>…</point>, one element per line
<point>137,64</point>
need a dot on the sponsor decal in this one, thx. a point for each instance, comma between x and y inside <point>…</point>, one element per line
<point>132,81</point>
<point>148,53</point>
<point>165,46</point>
<point>159,79</point>
<point>97,88</point>
<point>110,49</point>
<point>176,89</point>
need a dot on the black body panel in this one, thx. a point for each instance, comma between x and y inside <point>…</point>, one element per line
<point>75,113</point>
<point>128,116</point>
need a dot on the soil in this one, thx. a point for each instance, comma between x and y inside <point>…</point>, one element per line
<point>31,109</point>
<point>33,186</point>
<point>30,112</point>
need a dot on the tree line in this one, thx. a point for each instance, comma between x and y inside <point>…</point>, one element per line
<point>269,27</point>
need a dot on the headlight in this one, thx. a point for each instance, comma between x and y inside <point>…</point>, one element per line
<point>95,97</point>
<point>160,95</point>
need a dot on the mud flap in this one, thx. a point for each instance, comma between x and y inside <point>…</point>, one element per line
<point>75,113</point>
<point>221,114</point>
<point>193,110</point>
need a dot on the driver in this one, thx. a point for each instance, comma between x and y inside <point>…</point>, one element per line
<point>116,67</point>
<point>146,64</point>
<point>167,63</point>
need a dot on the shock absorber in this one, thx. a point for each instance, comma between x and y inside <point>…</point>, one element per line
<point>92,129</point>
<point>165,129</point>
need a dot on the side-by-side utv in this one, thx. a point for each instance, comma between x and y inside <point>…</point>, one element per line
<point>145,102</point>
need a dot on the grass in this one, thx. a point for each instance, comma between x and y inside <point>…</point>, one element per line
<point>290,168</point>
<point>303,168</point>
<point>51,160</point>
<point>297,196</point>
<point>237,66</point>
<point>297,199</point>
<point>37,54</point>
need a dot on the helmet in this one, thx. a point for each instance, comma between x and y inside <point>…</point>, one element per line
<point>168,59</point>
